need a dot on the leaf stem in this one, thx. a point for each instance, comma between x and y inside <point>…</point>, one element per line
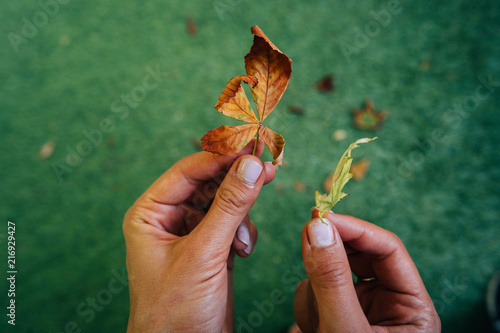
<point>256,142</point>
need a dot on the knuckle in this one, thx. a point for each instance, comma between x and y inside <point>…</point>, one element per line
<point>395,241</point>
<point>230,197</point>
<point>333,272</point>
<point>394,238</point>
<point>128,224</point>
<point>128,217</point>
<point>393,244</point>
<point>329,272</point>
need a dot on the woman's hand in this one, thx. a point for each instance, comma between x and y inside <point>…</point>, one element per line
<point>181,237</point>
<point>389,295</point>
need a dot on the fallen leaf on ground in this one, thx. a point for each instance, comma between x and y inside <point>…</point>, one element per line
<point>295,109</point>
<point>339,179</point>
<point>359,169</point>
<point>325,84</point>
<point>368,118</point>
<point>327,184</point>
<point>191,26</point>
<point>299,186</point>
<point>46,150</point>
<point>268,73</point>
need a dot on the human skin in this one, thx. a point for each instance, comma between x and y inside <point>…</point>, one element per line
<point>182,235</point>
<point>389,295</point>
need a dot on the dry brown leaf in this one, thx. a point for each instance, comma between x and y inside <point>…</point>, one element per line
<point>191,26</point>
<point>327,184</point>
<point>359,169</point>
<point>368,118</point>
<point>325,84</point>
<point>272,69</point>
<point>230,139</point>
<point>268,73</point>
<point>234,103</point>
<point>299,187</point>
<point>295,109</point>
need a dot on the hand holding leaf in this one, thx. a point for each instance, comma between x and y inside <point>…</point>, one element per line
<point>268,72</point>
<point>340,178</point>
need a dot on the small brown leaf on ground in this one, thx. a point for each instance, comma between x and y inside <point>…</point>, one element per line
<point>46,150</point>
<point>299,187</point>
<point>295,109</point>
<point>359,169</point>
<point>368,118</point>
<point>327,184</point>
<point>191,26</point>
<point>325,84</point>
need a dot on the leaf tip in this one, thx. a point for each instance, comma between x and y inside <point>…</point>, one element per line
<point>256,30</point>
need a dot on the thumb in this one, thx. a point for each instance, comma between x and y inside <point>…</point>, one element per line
<point>329,273</point>
<point>234,198</point>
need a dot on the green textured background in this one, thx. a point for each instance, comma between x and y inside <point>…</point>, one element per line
<point>441,198</point>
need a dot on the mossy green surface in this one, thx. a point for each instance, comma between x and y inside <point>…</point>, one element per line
<point>434,171</point>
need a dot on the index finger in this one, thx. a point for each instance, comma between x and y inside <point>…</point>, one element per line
<point>177,184</point>
<point>389,258</point>
<point>192,182</point>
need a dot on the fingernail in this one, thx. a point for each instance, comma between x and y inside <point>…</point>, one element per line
<point>249,170</point>
<point>320,233</point>
<point>244,236</point>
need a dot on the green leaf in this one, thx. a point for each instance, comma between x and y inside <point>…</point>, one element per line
<point>340,178</point>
